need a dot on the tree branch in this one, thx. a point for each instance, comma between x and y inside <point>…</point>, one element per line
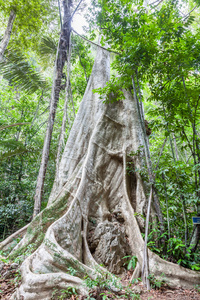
<point>76,9</point>
<point>60,14</point>
<point>189,13</point>
<point>156,4</point>
<point>95,43</point>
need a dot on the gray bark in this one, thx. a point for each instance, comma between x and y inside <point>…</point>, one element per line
<point>7,34</point>
<point>64,120</point>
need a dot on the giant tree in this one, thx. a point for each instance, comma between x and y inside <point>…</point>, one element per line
<point>95,214</point>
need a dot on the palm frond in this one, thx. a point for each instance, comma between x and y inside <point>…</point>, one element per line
<point>16,68</point>
<point>47,48</point>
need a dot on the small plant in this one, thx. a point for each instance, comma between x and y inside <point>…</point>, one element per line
<point>93,221</point>
<point>100,282</point>
<point>104,296</point>
<point>197,288</point>
<point>138,152</point>
<point>107,286</point>
<point>155,283</point>
<point>131,262</point>
<point>4,260</point>
<point>129,294</point>
<point>17,279</point>
<point>136,280</point>
<point>72,271</point>
<point>64,293</point>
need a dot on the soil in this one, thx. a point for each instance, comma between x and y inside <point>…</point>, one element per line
<point>10,278</point>
<point>167,293</point>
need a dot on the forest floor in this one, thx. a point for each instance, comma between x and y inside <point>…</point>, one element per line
<point>10,278</point>
<point>167,293</point>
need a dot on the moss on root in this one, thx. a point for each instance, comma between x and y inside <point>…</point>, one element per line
<point>38,227</point>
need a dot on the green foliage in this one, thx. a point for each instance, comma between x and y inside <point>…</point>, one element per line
<point>104,284</point>
<point>112,91</point>
<point>17,278</point>
<point>47,46</point>
<point>18,71</point>
<point>29,250</point>
<point>31,16</point>
<point>173,250</point>
<point>72,271</point>
<point>47,50</point>
<point>197,287</point>
<point>20,146</point>
<point>156,283</point>
<point>63,293</point>
<point>131,262</point>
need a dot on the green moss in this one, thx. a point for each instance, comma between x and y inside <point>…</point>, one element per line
<point>38,227</point>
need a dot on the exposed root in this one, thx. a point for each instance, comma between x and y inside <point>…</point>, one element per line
<point>7,243</point>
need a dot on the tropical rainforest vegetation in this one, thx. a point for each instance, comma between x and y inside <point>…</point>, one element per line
<point>45,67</point>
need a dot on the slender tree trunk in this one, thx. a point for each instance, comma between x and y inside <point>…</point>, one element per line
<point>196,236</point>
<point>7,34</point>
<point>167,207</point>
<point>63,127</point>
<point>176,158</point>
<point>71,97</point>
<point>182,196</point>
<point>148,158</point>
<point>165,188</point>
<point>63,47</point>
<point>175,146</point>
<point>145,267</point>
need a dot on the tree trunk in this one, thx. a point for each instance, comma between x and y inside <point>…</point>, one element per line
<point>148,158</point>
<point>64,119</point>
<point>7,34</point>
<point>93,214</point>
<point>62,51</point>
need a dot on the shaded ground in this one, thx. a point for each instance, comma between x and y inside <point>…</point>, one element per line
<point>166,293</point>
<point>10,278</point>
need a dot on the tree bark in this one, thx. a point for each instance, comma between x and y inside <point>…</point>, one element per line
<point>7,34</point>
<point>64,120</point>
